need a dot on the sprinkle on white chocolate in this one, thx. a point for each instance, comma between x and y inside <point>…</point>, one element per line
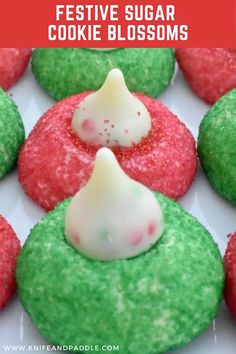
<point>113,216</point>
<point>112,116</point>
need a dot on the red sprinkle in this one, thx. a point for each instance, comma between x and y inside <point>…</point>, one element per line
<point>136,237</point>
<point>88,125</point>
<point>77,239</point>
<point>152,227</point>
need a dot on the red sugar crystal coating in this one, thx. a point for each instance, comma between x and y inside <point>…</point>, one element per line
<point>13,62</point>
<point>230,274</point>
<point>211,72</point>
<point>54,163</point>
<point>9,250</point>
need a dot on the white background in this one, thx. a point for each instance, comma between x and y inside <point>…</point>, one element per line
<point>217,215</point>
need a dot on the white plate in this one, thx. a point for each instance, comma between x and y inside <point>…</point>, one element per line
<point>217,215</point>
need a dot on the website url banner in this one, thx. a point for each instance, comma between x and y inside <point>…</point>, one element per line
<point>61,348</point>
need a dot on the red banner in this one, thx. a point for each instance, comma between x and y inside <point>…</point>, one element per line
<point>113,24</point>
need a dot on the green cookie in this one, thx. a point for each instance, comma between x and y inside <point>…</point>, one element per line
<point>217,146</point>
<point>145,305</point>
<point>68,71</point>
<point>12,133</point>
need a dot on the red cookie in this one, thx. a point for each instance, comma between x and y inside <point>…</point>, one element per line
<point>230,274</point>
<point>13,62</point>
<point>54,163</point>
<point>211,72</point>
<point>9,250</point>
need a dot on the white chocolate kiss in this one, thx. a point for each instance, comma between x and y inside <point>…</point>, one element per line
<point>112,116</point>
<point>113,216</point>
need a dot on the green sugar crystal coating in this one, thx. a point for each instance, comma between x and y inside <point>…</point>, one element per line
<point>64,72</point>
<point>217,146</point>
<point>146,305</point>
<point>12,133</point>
